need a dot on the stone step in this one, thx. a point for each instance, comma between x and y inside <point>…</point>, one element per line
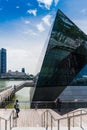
<point>66,128</point>
<point>28,128</point>
<point>49,128</point>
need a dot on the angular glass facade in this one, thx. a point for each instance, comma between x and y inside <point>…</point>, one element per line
<point>65,57</point>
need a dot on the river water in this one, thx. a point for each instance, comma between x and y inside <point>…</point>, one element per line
<point>22,95</point>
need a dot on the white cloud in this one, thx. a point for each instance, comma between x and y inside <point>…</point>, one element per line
<point>40,27</point>
<point>47,20</point>
<point>46,3</point>
<point>56,2</point>
<point>34,12</point>
<point>26,21</point>
<point>30,32</point>
<point>40,5</point>
<point>17,7</point>
<point>84,11</point>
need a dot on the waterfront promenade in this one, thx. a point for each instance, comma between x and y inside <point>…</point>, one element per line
<point>7,94</point>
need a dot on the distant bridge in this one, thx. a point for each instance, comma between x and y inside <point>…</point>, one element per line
<point>25,84</point>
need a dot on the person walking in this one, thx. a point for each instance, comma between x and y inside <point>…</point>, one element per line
<point>16,106</point>
<point>14,87</point>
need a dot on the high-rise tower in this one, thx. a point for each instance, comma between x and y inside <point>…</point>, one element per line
<point>3,62</point>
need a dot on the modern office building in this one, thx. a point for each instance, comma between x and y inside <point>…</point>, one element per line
<point>64,59</point>
<point>3,61</point>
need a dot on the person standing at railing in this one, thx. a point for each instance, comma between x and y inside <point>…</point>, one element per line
<point>14,87</point>
<point>36,106</point>
<point>17,108</point>
<point>59,104</point>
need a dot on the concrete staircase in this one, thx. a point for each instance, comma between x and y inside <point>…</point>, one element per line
<point>31,119</point>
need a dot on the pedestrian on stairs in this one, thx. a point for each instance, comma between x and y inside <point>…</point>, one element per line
<point>16,106</point>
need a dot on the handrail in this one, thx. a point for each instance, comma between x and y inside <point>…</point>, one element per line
<point>84,110</point>
<point>10,118</point>
<point>68,118</point>
<point>53,116</point>
<point>74,111</point>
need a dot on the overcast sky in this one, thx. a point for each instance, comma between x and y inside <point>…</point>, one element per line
<point>25,26</point>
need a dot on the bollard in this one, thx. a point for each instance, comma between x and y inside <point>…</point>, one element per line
<point>10,122</point>
<point>68,123</point>
<point>5,124</point>
<point>51,123</point>
<point>58,125</point>
<point>47,120</point>
<point>81,119</point>
<point>0,123</point>
<point>73,119</point>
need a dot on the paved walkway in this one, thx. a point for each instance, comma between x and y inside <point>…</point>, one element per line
<point>9,92</point>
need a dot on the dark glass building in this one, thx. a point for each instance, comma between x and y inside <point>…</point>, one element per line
<point>65,57</point>
<point>3,62</point>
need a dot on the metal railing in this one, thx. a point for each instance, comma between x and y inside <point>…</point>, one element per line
<point>72,119</point>
<point>7,123</point>
<point>10,104</point>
